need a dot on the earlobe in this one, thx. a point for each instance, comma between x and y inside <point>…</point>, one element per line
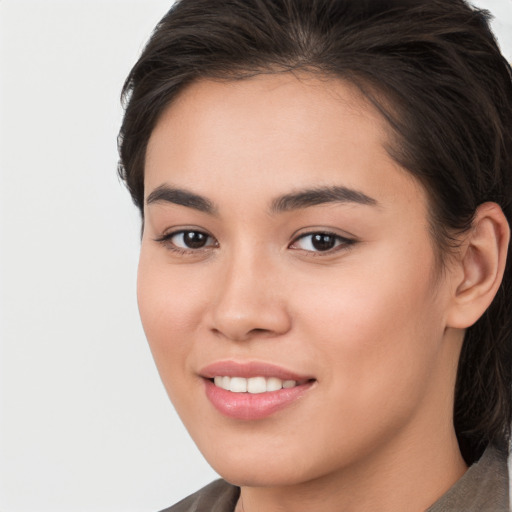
<point>481,266</point>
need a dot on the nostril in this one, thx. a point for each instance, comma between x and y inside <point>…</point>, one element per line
<point>259,331</point>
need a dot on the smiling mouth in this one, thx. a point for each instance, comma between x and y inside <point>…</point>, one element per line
<point>254,385</point>
<point>253,390</point>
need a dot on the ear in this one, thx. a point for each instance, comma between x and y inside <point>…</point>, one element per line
<point>480,266</point>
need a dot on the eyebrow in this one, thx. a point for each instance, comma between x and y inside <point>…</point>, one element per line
<point>167,194</point>
<point>285,203</point>
<point>322,195</point>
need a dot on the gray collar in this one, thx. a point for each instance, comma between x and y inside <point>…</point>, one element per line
<point>483,488</point>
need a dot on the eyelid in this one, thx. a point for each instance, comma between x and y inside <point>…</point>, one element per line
<point>342,242</point>
<point>166,240</point>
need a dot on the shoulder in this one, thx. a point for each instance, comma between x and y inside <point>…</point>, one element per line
<point>219,496</point>
<point>484,487</point>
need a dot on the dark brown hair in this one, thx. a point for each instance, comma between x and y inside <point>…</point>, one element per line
<point>434,71</point>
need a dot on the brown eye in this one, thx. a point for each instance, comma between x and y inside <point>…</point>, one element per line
<point>194,239</point>
<point>190,240</point>
<point>320,242</point>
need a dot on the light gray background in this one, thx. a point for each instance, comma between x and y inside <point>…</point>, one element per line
<point>84,421</point>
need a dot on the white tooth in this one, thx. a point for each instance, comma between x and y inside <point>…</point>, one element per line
<point>289,384</point>
<point>274,384</point>
<point>225,383</point>
<point>218,381</point>
<point>256,385</point>
<point>238,385</point>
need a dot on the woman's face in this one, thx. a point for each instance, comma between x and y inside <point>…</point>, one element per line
<point>287,258</point>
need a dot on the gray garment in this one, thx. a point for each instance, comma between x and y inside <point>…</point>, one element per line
<point>219,496</point>
<point>483,488</point>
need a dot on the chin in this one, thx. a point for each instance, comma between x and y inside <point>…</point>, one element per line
<point>275,466</point>
<point>264,474</point>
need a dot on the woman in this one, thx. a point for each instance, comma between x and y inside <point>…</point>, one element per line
<point>325,188</point>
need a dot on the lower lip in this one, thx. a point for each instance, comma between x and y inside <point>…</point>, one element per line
<point>253,406</point>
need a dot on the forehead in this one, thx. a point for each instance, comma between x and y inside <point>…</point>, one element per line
<point>273,132</point>
<point>304,99</point>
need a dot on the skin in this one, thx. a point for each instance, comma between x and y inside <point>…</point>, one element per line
<point>373,321</point>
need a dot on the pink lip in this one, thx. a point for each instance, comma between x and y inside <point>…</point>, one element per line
<point>250,369</point>
<point>248,406</point>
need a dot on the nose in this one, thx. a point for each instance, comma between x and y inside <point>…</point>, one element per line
<point>250,302</point>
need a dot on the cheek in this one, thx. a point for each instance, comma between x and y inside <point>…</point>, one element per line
<point>376,331</point>
<point>170,306</point>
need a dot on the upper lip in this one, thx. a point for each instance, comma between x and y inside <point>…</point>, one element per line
<point>250,369</point>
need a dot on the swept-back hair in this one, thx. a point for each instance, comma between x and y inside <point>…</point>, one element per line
<point>434,71</point>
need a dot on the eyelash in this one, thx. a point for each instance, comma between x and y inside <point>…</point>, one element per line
<point>341,243</point>
<point>166,240</point>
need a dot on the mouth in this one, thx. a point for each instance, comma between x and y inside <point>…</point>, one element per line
<point>254,385</point>
<point>252,391</point>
